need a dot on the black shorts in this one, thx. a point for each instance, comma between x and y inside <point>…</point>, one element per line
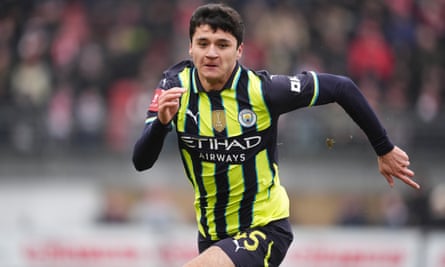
<point>261,246</point>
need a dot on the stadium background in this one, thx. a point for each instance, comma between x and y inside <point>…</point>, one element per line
<point>76,79</point>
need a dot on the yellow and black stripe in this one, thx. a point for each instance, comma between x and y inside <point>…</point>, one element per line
<point>230,163</point>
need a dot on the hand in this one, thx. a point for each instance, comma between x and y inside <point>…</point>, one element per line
<point>168,104</point>
<point>395,164</point>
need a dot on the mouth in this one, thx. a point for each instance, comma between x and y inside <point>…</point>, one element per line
<point>210,66</point>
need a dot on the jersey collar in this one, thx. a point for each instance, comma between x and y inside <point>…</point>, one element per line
<point>232,83</point>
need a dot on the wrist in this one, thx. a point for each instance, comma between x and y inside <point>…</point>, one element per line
<point>383,146</point>
<point>159,124</point>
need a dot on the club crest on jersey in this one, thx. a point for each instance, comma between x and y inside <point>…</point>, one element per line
<point>247,118</point>
<point>218,120</point>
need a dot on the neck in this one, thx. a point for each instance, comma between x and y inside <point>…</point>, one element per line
<point>212,85</point>
<point>216,84</point>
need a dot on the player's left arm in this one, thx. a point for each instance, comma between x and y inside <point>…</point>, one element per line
<point>312,89</point>
<point>393,162</point>
<point>287,93</point>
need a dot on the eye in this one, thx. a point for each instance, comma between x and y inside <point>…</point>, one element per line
<point>202,44</point>
<point>223,45</point>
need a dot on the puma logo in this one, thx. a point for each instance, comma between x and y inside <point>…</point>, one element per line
<point>194,117</point>
<point>237,245</point>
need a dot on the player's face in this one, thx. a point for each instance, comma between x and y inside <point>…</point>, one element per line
<point>214,54</point>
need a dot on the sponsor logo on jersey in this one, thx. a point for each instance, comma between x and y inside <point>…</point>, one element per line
<point>233,150</point>
<point>209,143</point>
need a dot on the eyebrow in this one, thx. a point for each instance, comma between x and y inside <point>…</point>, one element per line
<point>217,40</point>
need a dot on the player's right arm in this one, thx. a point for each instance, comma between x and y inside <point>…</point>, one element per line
<point>163,108</point>
<point>149,145</point>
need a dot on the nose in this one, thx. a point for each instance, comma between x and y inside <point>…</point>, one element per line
<point>212,52</point>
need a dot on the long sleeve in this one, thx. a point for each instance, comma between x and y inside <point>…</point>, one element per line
<point>307,89</point>
<point>344,92</point>
<point>149,145</point>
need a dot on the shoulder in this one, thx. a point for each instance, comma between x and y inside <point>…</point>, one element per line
<point>293,82</point>
<point>171,75</point>
<point>264,75</point>
<point>178,68</point>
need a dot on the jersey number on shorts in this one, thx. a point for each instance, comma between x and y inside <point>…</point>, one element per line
<point>250,241</point>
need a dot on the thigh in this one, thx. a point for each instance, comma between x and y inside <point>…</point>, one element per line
<point>214,256</point>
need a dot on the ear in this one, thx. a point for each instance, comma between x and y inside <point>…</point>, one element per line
<point>190,49</point>
<point>239,51</point>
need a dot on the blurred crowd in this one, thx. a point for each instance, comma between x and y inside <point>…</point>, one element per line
<point>160,207</point>
<point>80,73</point>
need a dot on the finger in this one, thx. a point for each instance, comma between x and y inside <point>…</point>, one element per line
<point>389,179</point>
<point>169,104</point>
<point>174,92</point>
<point>409,182</point>
<point>408,172</point>
<point>170,97</point>
<point>177,89</point>
<point>402,161</point>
